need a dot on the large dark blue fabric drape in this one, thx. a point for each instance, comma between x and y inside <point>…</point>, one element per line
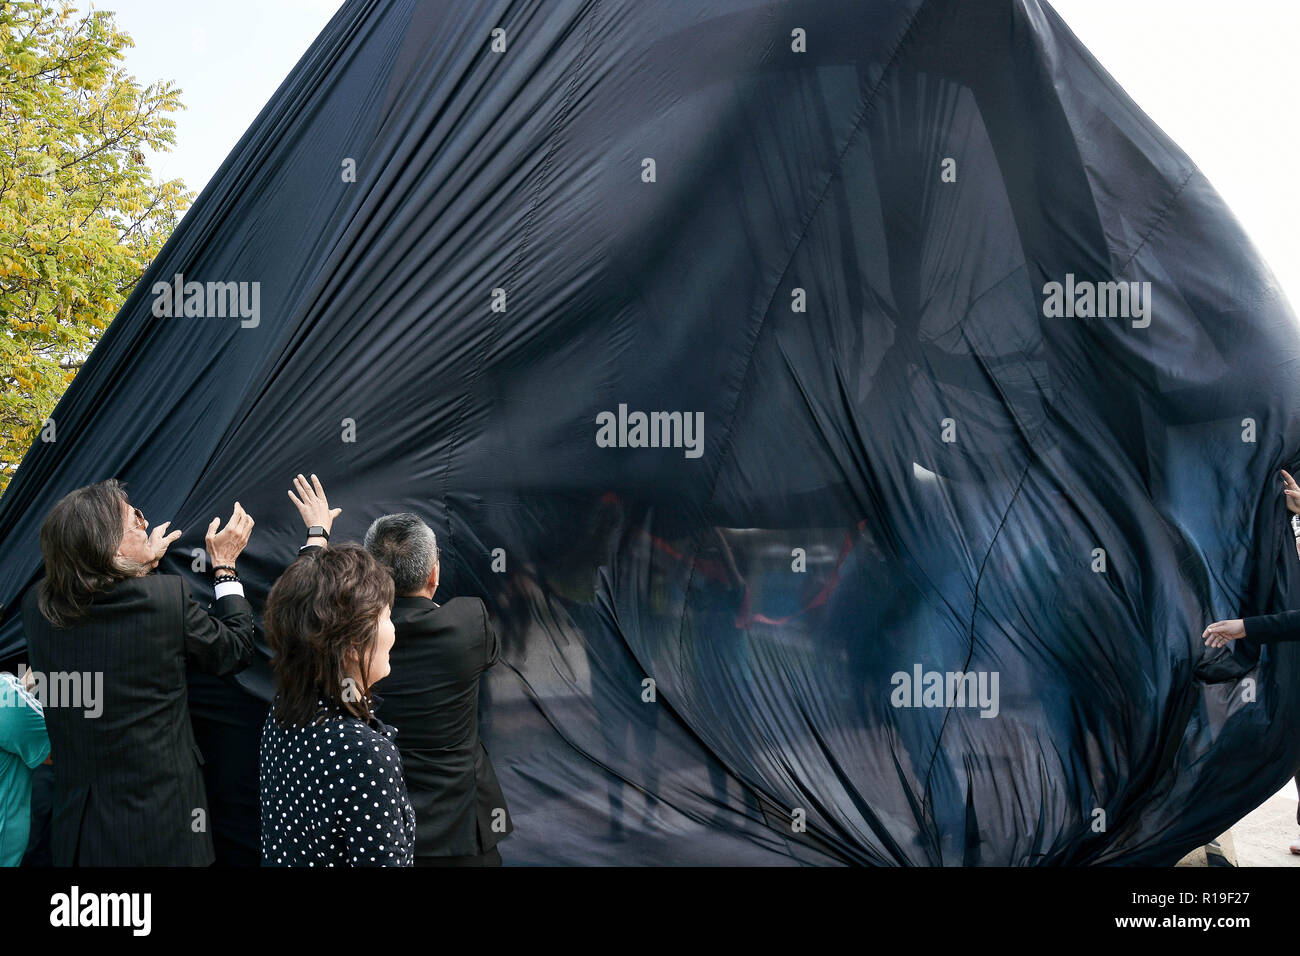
<point>826,235</point>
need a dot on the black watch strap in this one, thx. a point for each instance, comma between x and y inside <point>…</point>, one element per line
<point>317,531</point>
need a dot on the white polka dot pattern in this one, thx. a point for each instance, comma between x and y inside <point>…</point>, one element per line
<point>333,794</point>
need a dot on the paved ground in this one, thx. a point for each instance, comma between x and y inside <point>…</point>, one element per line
<point>1262,837</point>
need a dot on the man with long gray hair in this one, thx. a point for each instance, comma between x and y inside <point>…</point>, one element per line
<point>431,696</point>
<point>128,777</point>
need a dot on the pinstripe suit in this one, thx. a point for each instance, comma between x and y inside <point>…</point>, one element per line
<point>128,782</point>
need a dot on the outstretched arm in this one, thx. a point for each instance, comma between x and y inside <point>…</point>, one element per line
<point>1263,629</point>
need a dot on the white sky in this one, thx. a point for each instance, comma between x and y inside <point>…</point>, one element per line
<point>228,58</point>
<point>1220,78</point>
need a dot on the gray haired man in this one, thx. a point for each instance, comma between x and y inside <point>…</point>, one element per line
<point>431,696</point>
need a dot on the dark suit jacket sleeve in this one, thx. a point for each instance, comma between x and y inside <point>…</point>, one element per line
<point>220,642</point>
<point>491,646</point>
<point>1273,627</point>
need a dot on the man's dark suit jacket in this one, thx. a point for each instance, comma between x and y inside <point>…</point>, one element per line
<point>1273,627</point>
<point>431,696</point>
<point>128,782</point>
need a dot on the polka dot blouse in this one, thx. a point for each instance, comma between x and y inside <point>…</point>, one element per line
<point>333,794</point>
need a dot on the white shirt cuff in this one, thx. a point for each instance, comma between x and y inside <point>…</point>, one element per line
<point>229,587</point>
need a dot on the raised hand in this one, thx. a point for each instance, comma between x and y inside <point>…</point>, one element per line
<point>312,504</point>
<point>225,547</point>
<point>160,541</point>
<point>1292,492</point>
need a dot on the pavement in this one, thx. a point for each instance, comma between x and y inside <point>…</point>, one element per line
<point>1260,838</point>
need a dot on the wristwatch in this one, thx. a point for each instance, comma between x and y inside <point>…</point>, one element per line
<point>315,531</point>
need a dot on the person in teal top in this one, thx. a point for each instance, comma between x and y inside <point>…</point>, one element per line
<point>24,745</point>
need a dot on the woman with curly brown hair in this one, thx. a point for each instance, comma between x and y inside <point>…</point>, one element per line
<point>332,789</point>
